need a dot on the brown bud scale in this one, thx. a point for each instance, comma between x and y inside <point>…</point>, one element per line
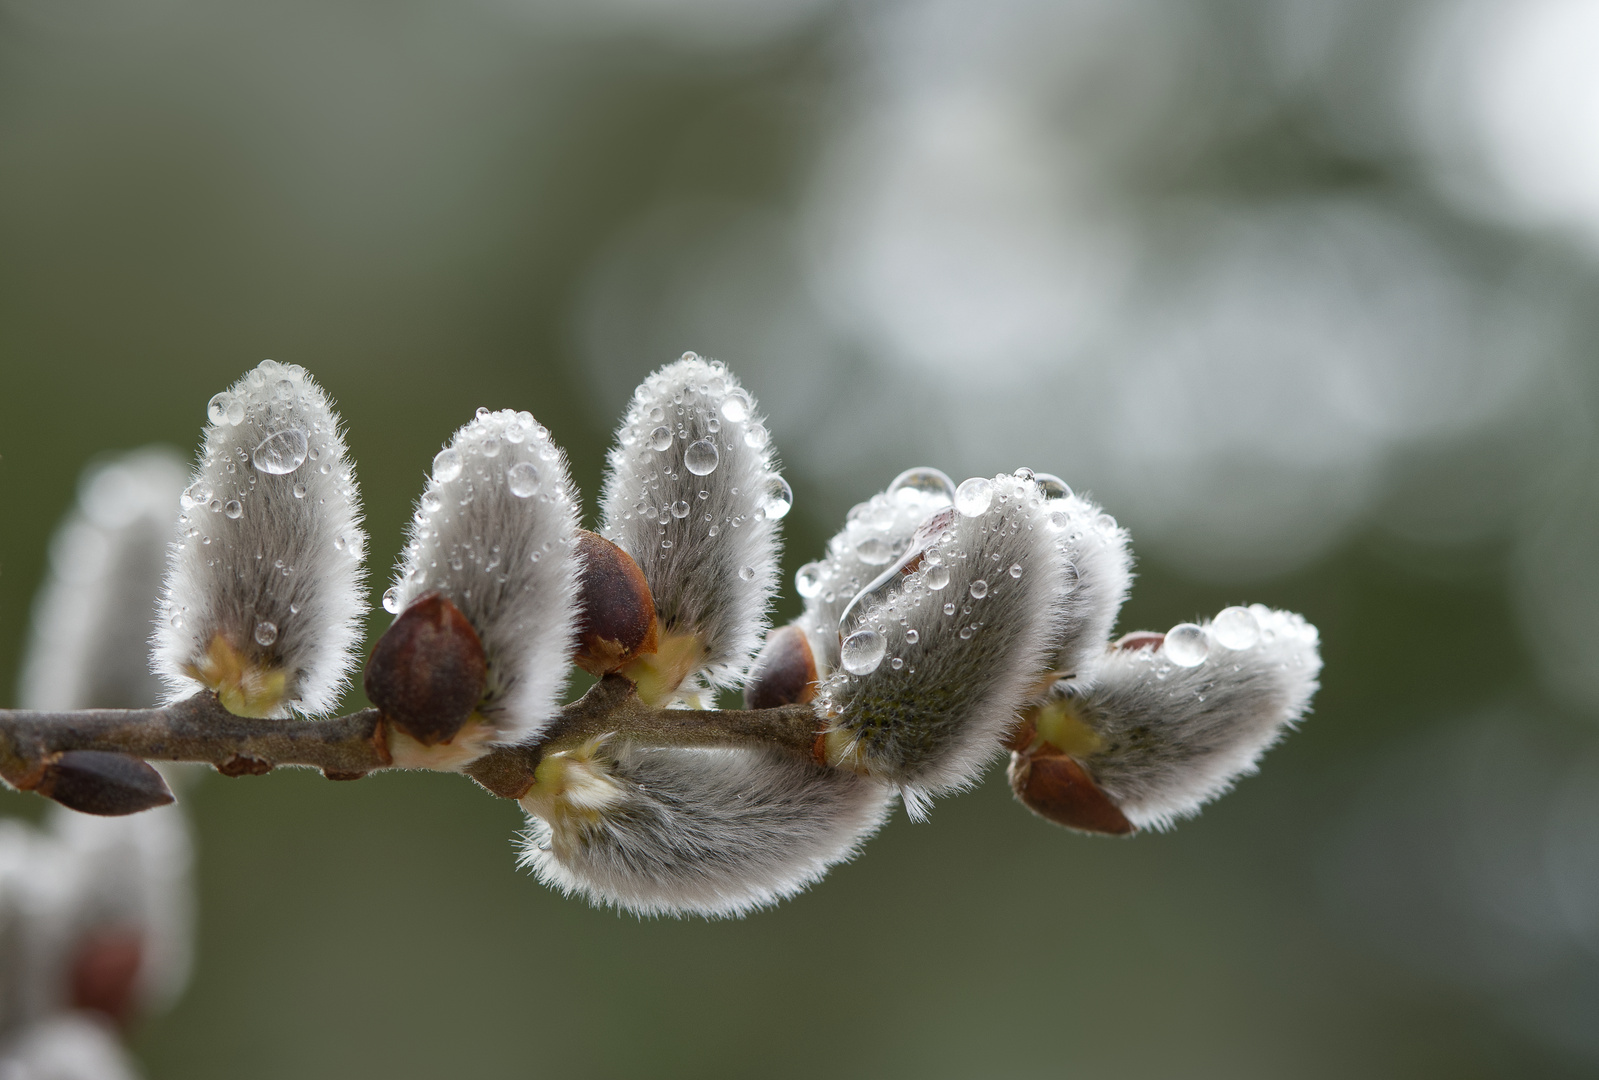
<point>103,783</point>
<point>618,622</point>
<point>784,672</point>
<point>428,671</point>
<point>1058,789</point>
<point>244,765</point>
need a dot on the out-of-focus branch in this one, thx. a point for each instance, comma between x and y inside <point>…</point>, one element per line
<point>200,729</point>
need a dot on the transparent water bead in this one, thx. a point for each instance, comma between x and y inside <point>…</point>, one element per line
<point>862,652</point>
<point>736,406</point>
<point>224,408</point>
<point>1015,570</point>
<point>680,509</point>
<point>777,500</point>
<point>391,601</point>
<point>446,465</point>
<point>233,508</point>
<point>491,447</point>
<point>1052,486</point>
<point>808,580</point>
<point>266,633</point>
<point>756,436</point>
<point>974,497</point>
<point>197,493</point>
<point>746,573</point>
<point>1235,628</point>
<point>935,577</point>
<point>979,589</point>
<point>281,452</point>
<point>874,551</point>
<point>523,479</point>
<point>701,457</point>
<point>661,437</point>
<point>912,636</point>
<point>1186,645</point>
<point>432,501</point>
<point>922,480</point>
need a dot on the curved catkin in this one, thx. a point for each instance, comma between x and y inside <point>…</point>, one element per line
<point>934,668</point>
<point>1178,725</point>
<point>92,617</point>
<point>495,531</point>
<point>712,832</point>
<point>1101,570</point>
<point>264,587</point>
<point>694,496</point>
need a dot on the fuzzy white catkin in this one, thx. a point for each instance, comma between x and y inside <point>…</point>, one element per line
<point>1177,737</point>
<point>875,537</point>
<point>92,617</point>
<point>495,531</point>
<point>1102,571</point>
<point>694,496</point>
<point>711,832</point>
<point>270,547</point>
<point>71,1046</point>
<point>933,672</point>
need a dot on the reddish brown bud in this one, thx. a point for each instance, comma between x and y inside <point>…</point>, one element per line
<point>244,765</point>
<point>428,671</point>
<point>784,672</point>
<point>1058,789</point>
<point>103,783</point>
<point>105,972</point>
<point>618,621</point>
<point>1139,639</point>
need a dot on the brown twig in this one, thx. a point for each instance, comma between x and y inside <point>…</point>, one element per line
<point>348,747</point>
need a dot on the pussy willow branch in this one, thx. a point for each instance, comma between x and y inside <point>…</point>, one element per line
<point>348,747</point>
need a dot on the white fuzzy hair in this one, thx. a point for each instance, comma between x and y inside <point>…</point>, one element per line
<point>1177,737</point>
<point>496,532</point>
<point>935,721</point>
<point>712,832</point>
<point>71,1046</point>
<point>92,617</point>
<point>713,571</point>
<point>293,558</point>
<point>1102,574</point>
<point>82,874</point>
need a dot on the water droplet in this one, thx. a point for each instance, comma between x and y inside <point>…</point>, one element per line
<point>177,622</point>
<point>280,452</point>
<point>491,447</point>
<point>446,465</point>
<point>701,457</point>
<point>215,506</point>
<point>197,493</point>
<point>294,609</point>
<point>340,543</point>
<point>1106,522</point>
<point>777,499</point>
<point>680,509</point>
<point>874,551</point>
<point>862,652</point>
<point>216,409</point>
<point>979,589</point>
<point>657,414</point>
<point>233,508</point>
<point>912,636</point>
<point>736,406</point>
<point>966,633</point>
<point>661,437</point>
<point>896,663</point>
<point>1015,570</point>
<point>1053,487</point>
<point>974,497</point>
<point>949,609</point>
<point>1186,645</point>
<point>756,436</point>
<point>523,479</point>
<point>284,390</point>
<point>1235,628</point>
<point>432,501</point>
<point>935,577</point>
<point>391,601</point>
<point>922,480</point>
<point>808,581</point>
<point>299,491</point>
<point>266,633</point>
<point>746,573</point>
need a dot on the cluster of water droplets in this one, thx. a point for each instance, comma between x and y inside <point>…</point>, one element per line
<point>1226,639</point>
<point>500,463</point>
<point>675,432</point>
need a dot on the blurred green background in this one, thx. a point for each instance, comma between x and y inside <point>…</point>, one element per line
<point>1303,292</point>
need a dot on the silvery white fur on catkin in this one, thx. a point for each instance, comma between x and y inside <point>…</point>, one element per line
<point>706,544</point>
<point>874,537</point>
<point>495,531</point>
<point>70,1046</point>
<point>93,616</point>
<point>290,561</point>
<point>81,874</point>
<point>933,723</point>
<point>710,832</point>
<point>1102,568</point>
<point>1176,737</point>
